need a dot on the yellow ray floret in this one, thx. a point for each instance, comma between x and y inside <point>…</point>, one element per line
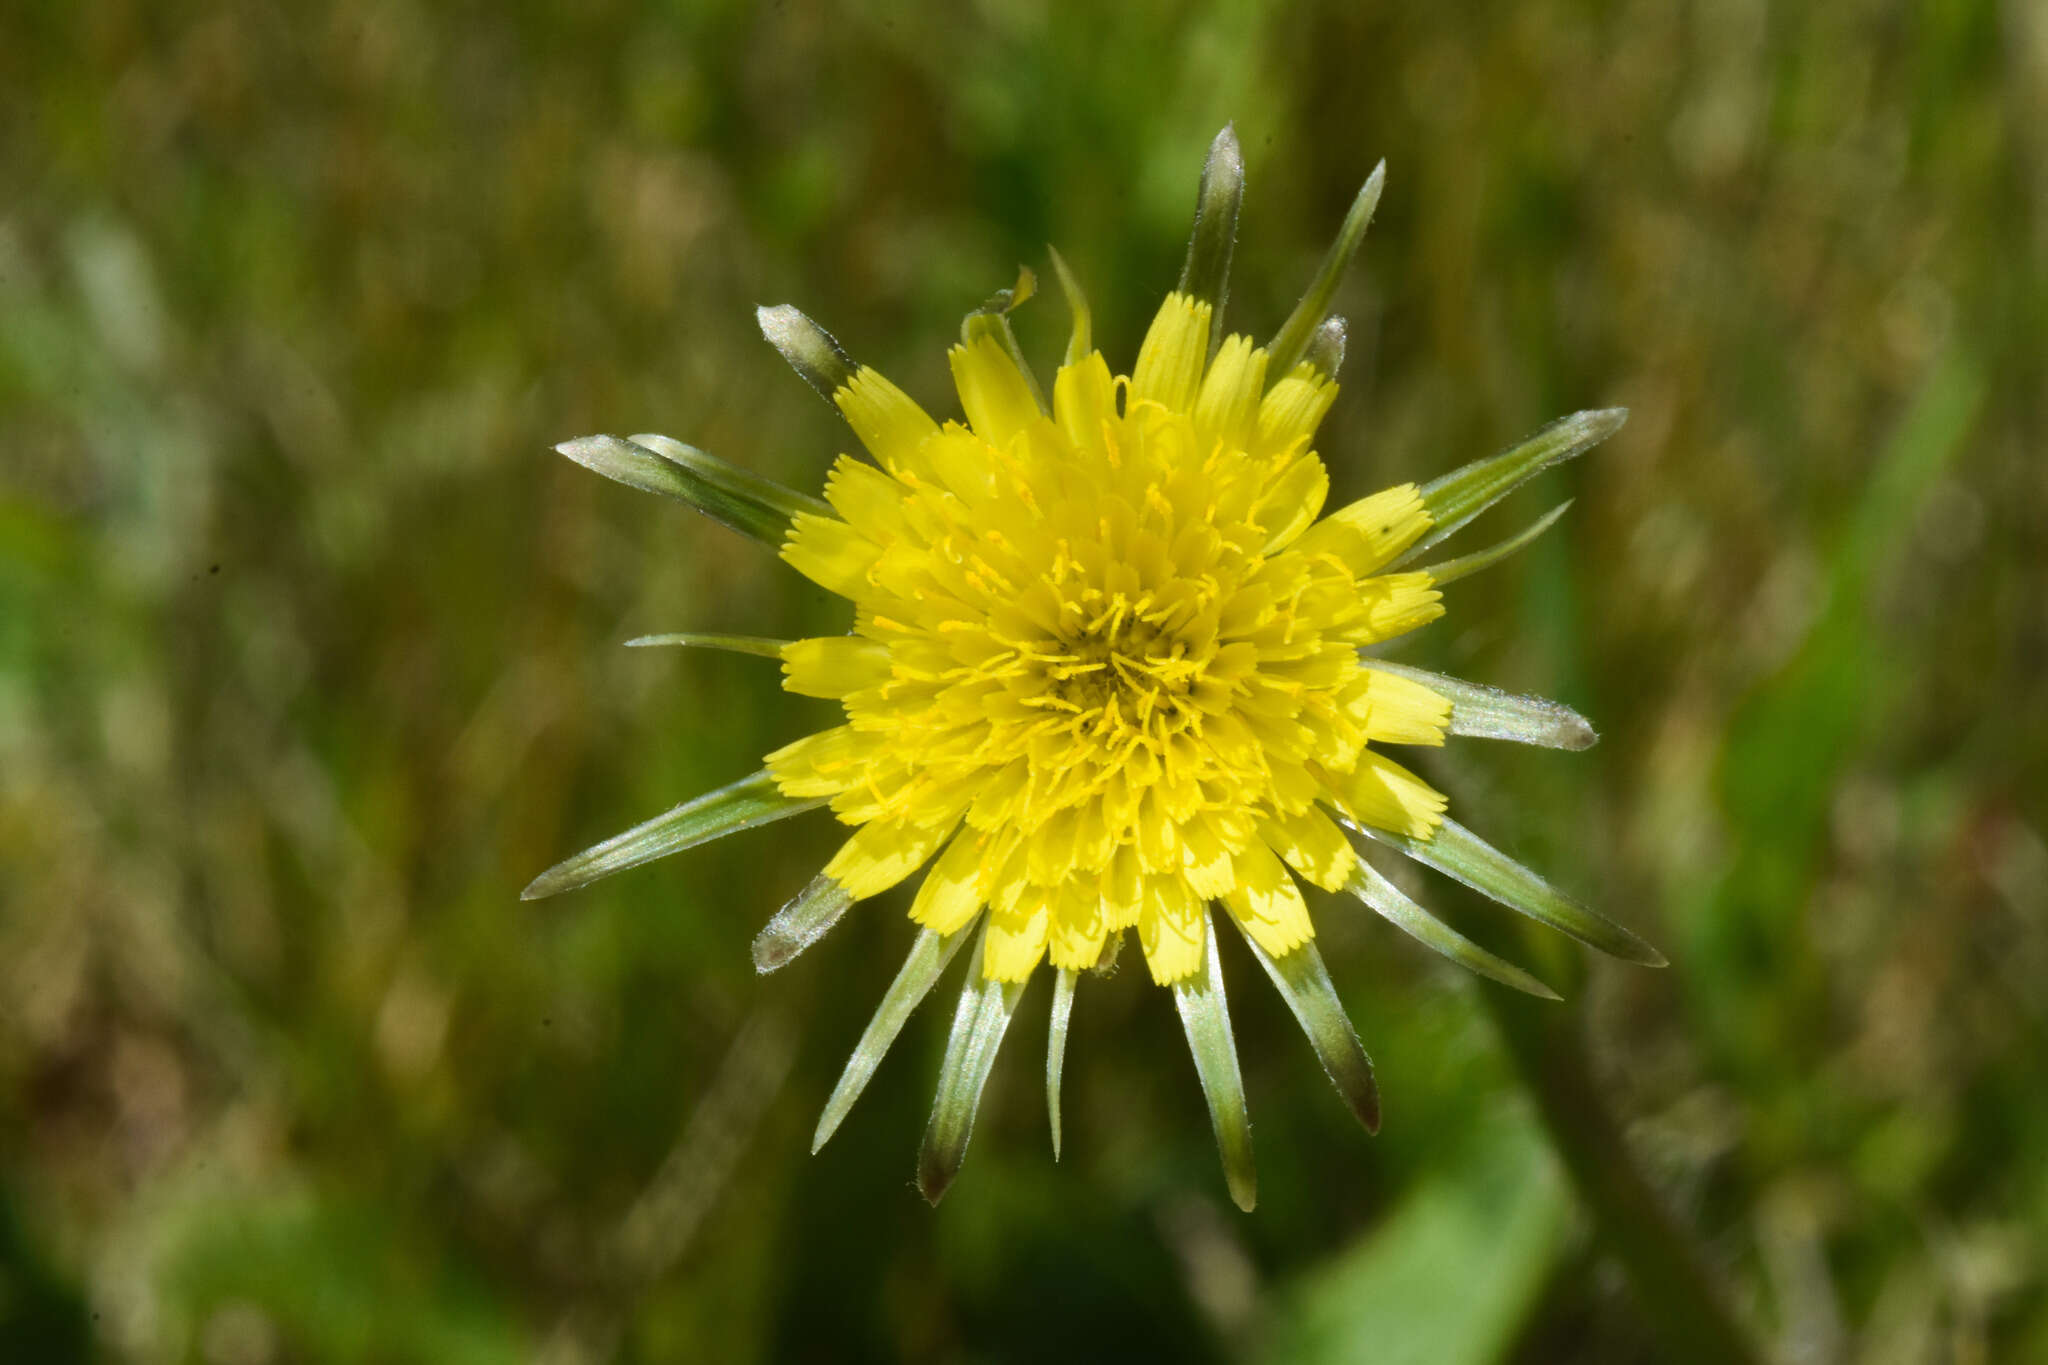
<point>1112,648</point>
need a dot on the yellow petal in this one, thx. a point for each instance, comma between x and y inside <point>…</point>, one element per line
<point>1078,925</point>
<point>1268,903</point>
<point>1294,408</point>
<point>1371,531</point>
<point>1123,889</point>
<point>1016,940</point>
<point>882,853</point>
<point>1396,603</point>
<point>995,395</point>
<point>870,500</point>
<point>823,764</point>
<point>951,892</point>
<point>830,553</point>
<point>1398,710</point>
<point>888,421</point>
<point>1171,931</point>
<point>1170,361</point>
<point>1293,501</point>
<point>1381,793</point>
<point>1229,401</point>
<point>1312,845</point>
<point>1083,399</point>
<point>834,665</point>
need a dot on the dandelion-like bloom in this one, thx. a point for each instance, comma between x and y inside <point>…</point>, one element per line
<point>1107,673</point>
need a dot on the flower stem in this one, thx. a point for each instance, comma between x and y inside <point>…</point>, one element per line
<point>1678,1292</point>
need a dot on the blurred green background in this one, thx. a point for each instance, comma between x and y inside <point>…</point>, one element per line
<point>308,661</point>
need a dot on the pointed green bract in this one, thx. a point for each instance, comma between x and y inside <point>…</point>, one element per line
<point>1391,904</point>
<point>1081,341</point>
<point>1291,342</point>
<point>1451,570</point>
<point>1205,1016</point>
<point>731,644</point>
<point>746,803</point>
<point>1304,983</point>
<point>1488,713</point>
<point>1056,1047</point>
<point>1464,493</point>
<point>979,1022</point>
<point>1459,853</point>
<point>1325,352</point>
<point>1206,275</point>
<point>927,960</point>
<point>748,503</point>
<point>810,350</point>
<point>797,925</point>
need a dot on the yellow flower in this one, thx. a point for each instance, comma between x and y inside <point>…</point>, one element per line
<point>1107,673</point>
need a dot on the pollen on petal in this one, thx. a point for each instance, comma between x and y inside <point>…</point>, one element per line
<point>1170,361</point>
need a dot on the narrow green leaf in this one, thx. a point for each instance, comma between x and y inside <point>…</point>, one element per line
<point>1082,340</point>
<point>979,1022</point>
<point>1291,342</point>
<point>1388,901</point>
<point>1465,492</point>
<point>809,348</point>
<point>1206,275</point>
<point>1326,348</point>
<point>797,925</point>
<point>1489,713</point>
<point>1205,1016</point>
<point>1304,983</point>
<point>746,803</point>
<point>1056,1047</point>
<point>928,958</point>
<point>1459,853</point>
<point>748,503</point>
<point>1451,570</point>
<point>732,644</point>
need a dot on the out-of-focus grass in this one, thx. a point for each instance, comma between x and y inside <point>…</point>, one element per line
<point>307,662</point>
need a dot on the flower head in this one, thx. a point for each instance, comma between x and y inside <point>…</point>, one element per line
<point>1106,673</point>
